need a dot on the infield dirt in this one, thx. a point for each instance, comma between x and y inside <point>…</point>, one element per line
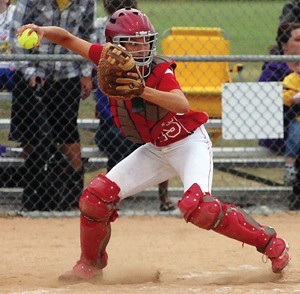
<point>146,255</point>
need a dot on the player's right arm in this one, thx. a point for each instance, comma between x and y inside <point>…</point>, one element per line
<point>61,37</point>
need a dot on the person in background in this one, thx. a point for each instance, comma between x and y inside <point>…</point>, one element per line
<point>46,99</point>
<point>108,137</point>
<point>290,12</point>
<point>176,143</point>
<point>288,43</point>
<point>110,6</point>
<point>291,96</point>
<point>6,68</point>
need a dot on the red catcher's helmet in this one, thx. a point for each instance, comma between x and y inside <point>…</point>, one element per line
<point>128,25</point>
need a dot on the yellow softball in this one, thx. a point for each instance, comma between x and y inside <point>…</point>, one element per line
<point>28,41</point>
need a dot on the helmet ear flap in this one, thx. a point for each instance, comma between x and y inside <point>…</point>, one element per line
<point>108,39</point>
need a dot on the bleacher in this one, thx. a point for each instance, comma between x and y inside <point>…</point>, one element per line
<point>231,160</point>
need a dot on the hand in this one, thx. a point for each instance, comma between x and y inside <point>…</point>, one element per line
<point>32,81</point>
<point>86,87</point>
<point>33,28</point>
<point>118,74</point>
<point>296,98</point>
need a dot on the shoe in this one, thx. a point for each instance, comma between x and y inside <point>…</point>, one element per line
<point>80,272</point>
<point>290,174</point>
<point>167,206</point>
<point>278,252</point>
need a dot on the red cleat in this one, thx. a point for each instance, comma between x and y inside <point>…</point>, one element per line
<point>278,252</point>
<point>81,272</point>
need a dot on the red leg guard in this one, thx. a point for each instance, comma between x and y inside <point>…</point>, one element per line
<point>239,225</point>
<point>97,211</point>
<point>94,237</point>
<point>97,206</point>
<point>207,212</point>
<point>200,209</point>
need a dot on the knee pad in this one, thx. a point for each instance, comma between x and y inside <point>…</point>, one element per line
<point>99,198</point>
<point>202,210</point>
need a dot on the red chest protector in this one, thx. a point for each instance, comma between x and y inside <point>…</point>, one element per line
<point>141,121</point>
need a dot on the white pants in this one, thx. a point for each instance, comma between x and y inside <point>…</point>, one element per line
<point>190,159</point>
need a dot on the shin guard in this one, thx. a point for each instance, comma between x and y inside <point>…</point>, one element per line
<point>97,206</point>
<point>239,225</point>
<point>207,212</point>
<point>94,237</point>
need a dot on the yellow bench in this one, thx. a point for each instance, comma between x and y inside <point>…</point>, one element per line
<point>201,81</point>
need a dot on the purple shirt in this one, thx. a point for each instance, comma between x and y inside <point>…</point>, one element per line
<point>274,72</point>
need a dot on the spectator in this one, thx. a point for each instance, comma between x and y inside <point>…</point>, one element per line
<point>110,6</point>
<point>46,100</point>
<point>6,68</point>
<point>290,12</point>
<point>108,137</point>
<point>291,95</point>
<point>288,43</point>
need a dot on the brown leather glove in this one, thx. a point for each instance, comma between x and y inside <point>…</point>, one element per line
<point>113,68</point>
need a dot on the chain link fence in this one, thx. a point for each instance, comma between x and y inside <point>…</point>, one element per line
<point>219,54</point>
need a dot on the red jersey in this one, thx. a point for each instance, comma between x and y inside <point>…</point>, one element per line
<point>141,121</point>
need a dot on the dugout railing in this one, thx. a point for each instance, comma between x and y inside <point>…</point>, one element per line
<point>236,160</point>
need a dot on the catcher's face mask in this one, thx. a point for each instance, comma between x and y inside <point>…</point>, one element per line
<point>131,26</point>
<point>142,47</point>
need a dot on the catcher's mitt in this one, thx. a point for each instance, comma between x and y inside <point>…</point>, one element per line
<point>114,65</point>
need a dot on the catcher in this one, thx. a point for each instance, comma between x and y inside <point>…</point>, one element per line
<point>148,106</point>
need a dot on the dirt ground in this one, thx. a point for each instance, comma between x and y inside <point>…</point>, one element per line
<point>146,255</point>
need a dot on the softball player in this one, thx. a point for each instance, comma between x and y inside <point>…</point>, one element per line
<point>176,144</point>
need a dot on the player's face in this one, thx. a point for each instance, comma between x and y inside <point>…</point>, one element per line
<point>138,47</point>
<point>142,49</point>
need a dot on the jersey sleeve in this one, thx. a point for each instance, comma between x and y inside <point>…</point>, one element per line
<point>168,82</point>
<point>95,53</point>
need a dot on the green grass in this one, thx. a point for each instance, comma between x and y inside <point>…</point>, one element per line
<point>5,108</point>
<point>251,25</point>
